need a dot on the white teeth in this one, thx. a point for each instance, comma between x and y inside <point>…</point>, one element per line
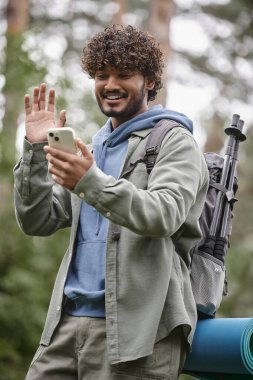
<point>113,97</point>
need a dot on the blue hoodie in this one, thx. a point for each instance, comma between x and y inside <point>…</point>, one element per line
<point>85,283</point>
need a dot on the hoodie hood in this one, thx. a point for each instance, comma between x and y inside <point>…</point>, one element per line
<point>147,119</point>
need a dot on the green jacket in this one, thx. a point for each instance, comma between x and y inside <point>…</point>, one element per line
<point>148,290</point>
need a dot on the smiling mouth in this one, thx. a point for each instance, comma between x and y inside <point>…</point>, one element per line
<point>114,96</point>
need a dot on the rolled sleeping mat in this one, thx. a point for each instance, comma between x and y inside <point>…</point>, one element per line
<point>222,349</point>
<point>220,376</point>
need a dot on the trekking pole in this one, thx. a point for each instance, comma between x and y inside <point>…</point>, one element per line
<point>230,200</point>
<point>214,244</point>
<point>234,133</point>
<point>221,241</point>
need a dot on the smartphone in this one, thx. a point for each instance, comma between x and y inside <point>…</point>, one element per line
<point>62,138</point>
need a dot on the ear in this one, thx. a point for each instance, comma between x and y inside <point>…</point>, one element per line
<point>150,83</point>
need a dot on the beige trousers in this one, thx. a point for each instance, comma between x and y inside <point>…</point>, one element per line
<point>78,352</point>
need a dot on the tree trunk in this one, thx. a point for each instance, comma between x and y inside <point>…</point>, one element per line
<point>215,135</point>
<point>17,17</point>
<point>159,24</point>
<point>118,16</point>
<point>17,13</point>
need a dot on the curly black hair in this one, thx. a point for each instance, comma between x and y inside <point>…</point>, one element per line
<point>125,48</point>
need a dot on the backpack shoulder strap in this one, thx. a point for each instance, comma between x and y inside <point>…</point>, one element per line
<point>155,140</point>
<point>153,145</point>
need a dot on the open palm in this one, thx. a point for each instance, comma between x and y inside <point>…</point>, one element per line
<point>39,116</point>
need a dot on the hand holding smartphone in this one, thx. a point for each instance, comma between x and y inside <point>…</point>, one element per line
<point>65,169</point>
<point>63,139</point>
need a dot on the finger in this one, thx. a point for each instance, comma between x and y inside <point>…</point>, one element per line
<point>56,164</point>
<point>35,105</point>
<point>28,109</point>
<point>42,96</point>
<point>57,179</point>
<point>58,172</point>
<point>84,149</point>
<point>57,153</point>
<point>51,100</point>
<point>62,119</point>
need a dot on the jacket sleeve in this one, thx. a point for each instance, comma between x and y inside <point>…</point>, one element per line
<point>41,206</point>
<point>178,179</point>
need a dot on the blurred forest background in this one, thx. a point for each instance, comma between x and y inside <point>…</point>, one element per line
<point>208,45</point>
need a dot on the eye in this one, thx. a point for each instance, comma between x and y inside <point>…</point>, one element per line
<point>101,76</point>
<point>125,75</point>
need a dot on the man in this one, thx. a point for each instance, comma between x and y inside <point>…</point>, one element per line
<point>122,306</point>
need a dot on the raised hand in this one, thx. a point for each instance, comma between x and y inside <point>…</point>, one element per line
<point>40,116</point>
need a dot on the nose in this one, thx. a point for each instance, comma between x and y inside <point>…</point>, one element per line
<point>112,83</point>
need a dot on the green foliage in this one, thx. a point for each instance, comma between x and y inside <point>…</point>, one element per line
<point>20,73</point>
<point>228,59</point>
<point>238,302</point>
<point>19,69</point>
<point>23,299</point>
<point>28,266</point>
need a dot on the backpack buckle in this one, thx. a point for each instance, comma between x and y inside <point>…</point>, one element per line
<point>150,158</point>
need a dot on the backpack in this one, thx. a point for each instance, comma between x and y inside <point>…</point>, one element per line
<point>207,269</point>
